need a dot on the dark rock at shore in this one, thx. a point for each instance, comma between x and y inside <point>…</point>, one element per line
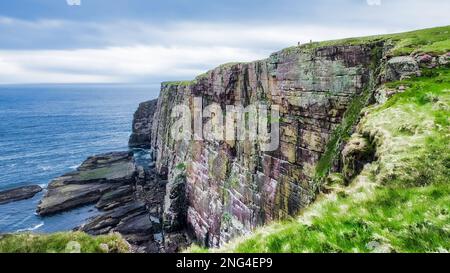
<point>129,197</point>
<point>18,194</point>
<point>142,125</point>
<point>133,211</point>
<point>116,198</point>
<point>108,221</point>
<point>98,176</point>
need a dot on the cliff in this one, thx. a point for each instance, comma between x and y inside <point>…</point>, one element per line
<point>142,124</point>
<point>221,188</point>
<point>392,194</point>
<point>345,141</point>
<point>232,187</point>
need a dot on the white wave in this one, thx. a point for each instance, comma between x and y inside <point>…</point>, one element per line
<point>46,168</point>
<point>31,228</point>
<point>74,167</point>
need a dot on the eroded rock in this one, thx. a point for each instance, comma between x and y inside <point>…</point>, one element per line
<point>399,68</point>
<point>97,176</point>
<point>18,194</point>
<point>356,154</point>
<point>142,124</point>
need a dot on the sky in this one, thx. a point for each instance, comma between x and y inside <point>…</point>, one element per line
<point>148,41</point>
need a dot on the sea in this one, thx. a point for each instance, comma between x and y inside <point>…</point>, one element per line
<point>49,130</point>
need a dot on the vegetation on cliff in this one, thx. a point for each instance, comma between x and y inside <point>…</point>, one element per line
<point>400,202</point>
<point>64,242</point>
<point>433,41</point>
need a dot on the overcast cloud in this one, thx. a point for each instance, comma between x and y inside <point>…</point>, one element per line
<point>147,42</point>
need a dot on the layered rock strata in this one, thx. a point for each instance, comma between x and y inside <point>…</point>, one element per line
<point>128,197</point>
<point>221,189</point>
<point>18,194</point>
<point>142,124</point>
<point>97,176</point>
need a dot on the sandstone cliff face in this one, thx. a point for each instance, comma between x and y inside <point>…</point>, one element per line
<point>142,124</point>
<point>221,189</point>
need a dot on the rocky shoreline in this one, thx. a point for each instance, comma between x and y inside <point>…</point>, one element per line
<point>96,177</point>
<point>128,196</point>
<point>125,189</point>
<point>18,194</point>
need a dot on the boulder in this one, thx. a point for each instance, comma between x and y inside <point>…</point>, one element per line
<point>444,59</point>
<point>18,194</point>
<point>139,224</point>
<point>383,94</point>
<point>357,153</point>
<point>402,67</point>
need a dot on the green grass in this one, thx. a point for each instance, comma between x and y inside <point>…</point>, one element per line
<point>177,83</point>
<point>433,40</point>
<point>391,220</point>
<point>398,203</point>
<point>181,166</point>
<point>65,242</point>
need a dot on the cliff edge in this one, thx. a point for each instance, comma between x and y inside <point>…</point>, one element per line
<point>221,188</point>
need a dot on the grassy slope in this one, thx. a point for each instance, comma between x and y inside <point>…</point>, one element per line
<point>434,41</point>
<point>400,202</point>
<point>65,242</point>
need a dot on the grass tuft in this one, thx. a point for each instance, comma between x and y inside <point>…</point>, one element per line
<point>64,242</point>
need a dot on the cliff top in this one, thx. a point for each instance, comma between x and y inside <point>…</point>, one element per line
<point>434,41</point>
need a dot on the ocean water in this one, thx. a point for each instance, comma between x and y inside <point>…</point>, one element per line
<point>46,131</point>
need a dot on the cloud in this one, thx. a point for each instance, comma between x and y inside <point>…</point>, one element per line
<point>135,51</point>
<point>64,34</point>
<point>145,53</point>
<point>113,65</point>
<point>52,50</point>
